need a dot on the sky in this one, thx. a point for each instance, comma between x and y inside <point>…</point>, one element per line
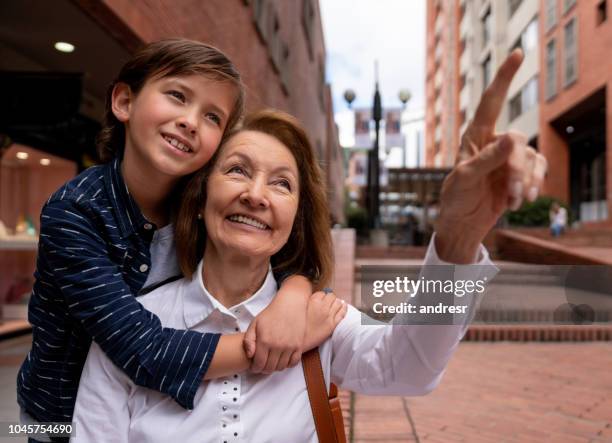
<point>358,32</point>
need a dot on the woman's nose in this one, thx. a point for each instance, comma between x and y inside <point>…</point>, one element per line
<point>255,195</point>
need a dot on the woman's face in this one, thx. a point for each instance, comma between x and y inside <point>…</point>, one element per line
<point>252,195</point>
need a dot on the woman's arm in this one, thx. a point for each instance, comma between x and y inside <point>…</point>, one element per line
<point>403,358</point>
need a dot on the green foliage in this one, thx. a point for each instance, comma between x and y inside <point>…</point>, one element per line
<point>357,218</point>
<point>535,213</point>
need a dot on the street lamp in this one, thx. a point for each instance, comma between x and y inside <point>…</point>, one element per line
<point>404,96</point>
<point>349,96</point>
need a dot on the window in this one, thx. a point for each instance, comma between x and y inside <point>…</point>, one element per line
<point>486,72</point>
<point>529,94</point>
<point>308,21</point>
<point>513,6</point>
<point>515,106</point>
<point>602,13</point>
<point>525,99</point>
<point>551,14</point>
<point>551,69</point>
<point>487,25</point>
<point>571,65</point>
<point>529,37</point>
<point>567,4</point>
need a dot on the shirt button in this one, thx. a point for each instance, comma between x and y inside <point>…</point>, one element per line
<point>235,329</point>
<point>224,408</point>
<point>148,226</point>
<point>144,268</point>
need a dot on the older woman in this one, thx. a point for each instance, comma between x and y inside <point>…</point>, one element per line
<point>267,212</point>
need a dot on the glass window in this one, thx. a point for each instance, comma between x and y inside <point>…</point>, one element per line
<point>515,106</point>
<point>487,27</point>
<point>529,94</point>
<point>486,72</point>
<point>514,5</point>
<point>551,69</point>
<point>551,14</point>
<point>602,13</point>
<point>571,65</point>
<point>525,99</point>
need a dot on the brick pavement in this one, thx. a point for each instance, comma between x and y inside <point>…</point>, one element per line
<point>503,392</point>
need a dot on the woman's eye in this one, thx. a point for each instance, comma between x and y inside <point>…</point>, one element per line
<point>178,95</point>
<point>236,170</point>
<point>284,183</point>
<point>214,118</point>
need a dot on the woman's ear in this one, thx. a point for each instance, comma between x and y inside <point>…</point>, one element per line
<point>121,101</point>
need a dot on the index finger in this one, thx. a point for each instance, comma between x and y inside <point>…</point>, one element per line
<point>494,97</point>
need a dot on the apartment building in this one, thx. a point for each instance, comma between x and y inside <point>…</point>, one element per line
<point>468,42</point>
<point>576,97</point>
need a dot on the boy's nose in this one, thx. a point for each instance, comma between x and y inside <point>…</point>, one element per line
<point>186,123</point>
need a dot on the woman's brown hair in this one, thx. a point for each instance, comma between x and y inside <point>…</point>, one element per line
<point>161,59</point>
<point>308,250</point>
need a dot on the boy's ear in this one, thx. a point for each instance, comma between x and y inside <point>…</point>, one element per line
<point>121,101</point>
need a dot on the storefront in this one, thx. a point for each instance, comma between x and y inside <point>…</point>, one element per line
<point>55,65</point>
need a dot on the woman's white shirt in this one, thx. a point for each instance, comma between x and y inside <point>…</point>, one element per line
<point>245,407</point>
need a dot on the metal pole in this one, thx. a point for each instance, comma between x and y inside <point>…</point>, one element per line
<point>377,116</point>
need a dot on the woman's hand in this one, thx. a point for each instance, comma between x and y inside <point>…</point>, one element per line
<point>275,338</point>
<point>325,311</point>
<point>493,172</point>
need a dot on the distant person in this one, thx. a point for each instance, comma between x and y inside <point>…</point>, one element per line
<point>558,219</point>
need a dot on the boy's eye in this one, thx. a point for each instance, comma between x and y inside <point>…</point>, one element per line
<point>214,118</point>
<point>178,95</point>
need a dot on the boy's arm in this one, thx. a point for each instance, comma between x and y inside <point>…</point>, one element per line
<point>75,258</point>
<point>277,333</point>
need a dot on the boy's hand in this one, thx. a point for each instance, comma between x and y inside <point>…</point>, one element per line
<point>275,337</point>
<point>325,311</point>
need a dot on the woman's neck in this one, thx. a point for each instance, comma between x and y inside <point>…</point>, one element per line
<point>148,189</point>
<point>232,278</point>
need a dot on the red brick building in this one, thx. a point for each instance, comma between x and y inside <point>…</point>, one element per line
<point>277,45</point>
<point>576,97</point>
<point>442,116</point>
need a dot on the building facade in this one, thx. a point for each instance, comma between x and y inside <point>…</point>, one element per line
<point>468,42</point>
<point>576,97</point>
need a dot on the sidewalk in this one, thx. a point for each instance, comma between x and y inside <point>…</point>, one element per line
<point>503,392</point>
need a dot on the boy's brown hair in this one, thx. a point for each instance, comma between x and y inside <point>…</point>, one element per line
<point>308,250</point>
<point>161,59</point>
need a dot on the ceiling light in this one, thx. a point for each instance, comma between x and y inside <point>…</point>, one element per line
<point>45,161</point>
<point>22,155</point>
<point>64,46</point>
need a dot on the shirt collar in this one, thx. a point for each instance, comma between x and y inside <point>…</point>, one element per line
<point>199,304</point>
<point>129,216</point>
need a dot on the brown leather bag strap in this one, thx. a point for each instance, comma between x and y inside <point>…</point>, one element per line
<point>319,401</point>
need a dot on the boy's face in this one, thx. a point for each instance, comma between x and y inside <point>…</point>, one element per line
<point>175,123</point>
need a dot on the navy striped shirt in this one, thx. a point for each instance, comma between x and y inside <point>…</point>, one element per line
<point>93,258</point>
